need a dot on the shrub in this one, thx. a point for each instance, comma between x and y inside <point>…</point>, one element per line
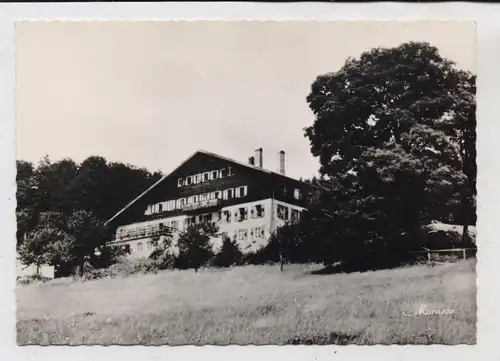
<point>125,267</point>
<point>195,249</point>
<point>229,254</point>
<point>442,236</point>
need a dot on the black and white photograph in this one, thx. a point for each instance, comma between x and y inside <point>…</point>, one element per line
<point>246,182</point>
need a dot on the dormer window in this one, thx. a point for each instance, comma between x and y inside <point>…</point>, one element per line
<point>180,182</point>
<point>223,173</point>
<point>197,178</point>
<point>189,180</point>
<point>214,174</point>
<point>206,176</point>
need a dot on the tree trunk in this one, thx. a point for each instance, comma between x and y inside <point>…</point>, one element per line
<point>281,261</point>
<point>82,267</point>
<point>465,234</point>
<point>465,231</point>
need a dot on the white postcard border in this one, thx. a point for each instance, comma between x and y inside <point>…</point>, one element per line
<point>488,27</point>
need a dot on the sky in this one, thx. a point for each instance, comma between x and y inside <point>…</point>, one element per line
<point>152,93</point>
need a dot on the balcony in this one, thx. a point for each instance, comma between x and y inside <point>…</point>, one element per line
<point>140,232</point>
<point>209,203</point>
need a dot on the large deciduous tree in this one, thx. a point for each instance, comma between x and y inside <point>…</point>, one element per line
<point>88,233</point>
<point>394,132</point>
<point>48,243</point>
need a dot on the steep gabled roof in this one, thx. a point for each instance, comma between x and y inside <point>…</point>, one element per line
<point>200,151</point>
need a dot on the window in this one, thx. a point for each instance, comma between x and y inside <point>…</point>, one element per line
<point>243,214</point>
<point>282,212</point>
<point>195,199</point>
<point>189,180</point>
<point>240,192</point>
<point>160,207</point>
<point>203,197</point>
<point>227,216</point>
<point>180,182</point>
<point>230,193</point>
<point>161,226</point>
<point>284,190</point>
<point>139,247</point>
<point>206,218</point>
<point>259,233</point>
<point>259,211</point>
<point>214,174</point>
<point>219,216</point>
<point>197,178</point>
<point>182,201</point>
<point>150,246</point>
<point>243,234</point>
<point>174,224</point>
<point>223,173</point>
<point>127,248</point>
<point>200,218</point>
<point>206,177</point>
<point>218,195</point>
<point>296,193</point>
<point>149,209</point>
<point>295,214</point>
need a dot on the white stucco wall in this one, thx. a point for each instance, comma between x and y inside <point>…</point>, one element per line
<point>269,222</point>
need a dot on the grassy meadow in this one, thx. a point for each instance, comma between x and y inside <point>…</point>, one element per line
<point>254,305</point>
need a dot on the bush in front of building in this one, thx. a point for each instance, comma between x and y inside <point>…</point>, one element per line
<point>229,254</point>
<point>195,248</point>
<point>124,267</point>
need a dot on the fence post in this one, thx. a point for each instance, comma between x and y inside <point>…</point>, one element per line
<point>463,251</point>
<point>428,256</point>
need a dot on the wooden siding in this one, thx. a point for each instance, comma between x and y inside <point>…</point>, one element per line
<point>261,185</point>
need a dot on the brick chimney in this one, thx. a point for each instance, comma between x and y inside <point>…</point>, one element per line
<point>251,161</point>
<point>258,158</point>
<point>282,162</point>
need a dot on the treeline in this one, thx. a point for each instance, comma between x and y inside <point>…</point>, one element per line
<point>62,207</point>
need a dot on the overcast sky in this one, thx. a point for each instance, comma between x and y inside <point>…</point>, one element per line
<point>151,93</point>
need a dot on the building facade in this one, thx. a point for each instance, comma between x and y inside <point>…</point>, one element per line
<point>247,202</point>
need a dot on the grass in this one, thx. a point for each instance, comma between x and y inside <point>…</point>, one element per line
<point>254,305</point>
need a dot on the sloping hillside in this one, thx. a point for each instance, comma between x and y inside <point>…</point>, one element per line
<point>255,304</point>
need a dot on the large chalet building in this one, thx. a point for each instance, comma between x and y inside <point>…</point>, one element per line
<point>247,202</point>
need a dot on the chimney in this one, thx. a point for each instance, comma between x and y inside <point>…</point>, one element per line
<point>282,162</point>
<point>258,158</point>
<point>251,161</point>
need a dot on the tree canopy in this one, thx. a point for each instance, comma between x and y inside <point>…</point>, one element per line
<point>69,202</point>
<point>394,132</point>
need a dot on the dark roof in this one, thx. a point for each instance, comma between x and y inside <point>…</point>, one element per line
<point>200,151</point>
